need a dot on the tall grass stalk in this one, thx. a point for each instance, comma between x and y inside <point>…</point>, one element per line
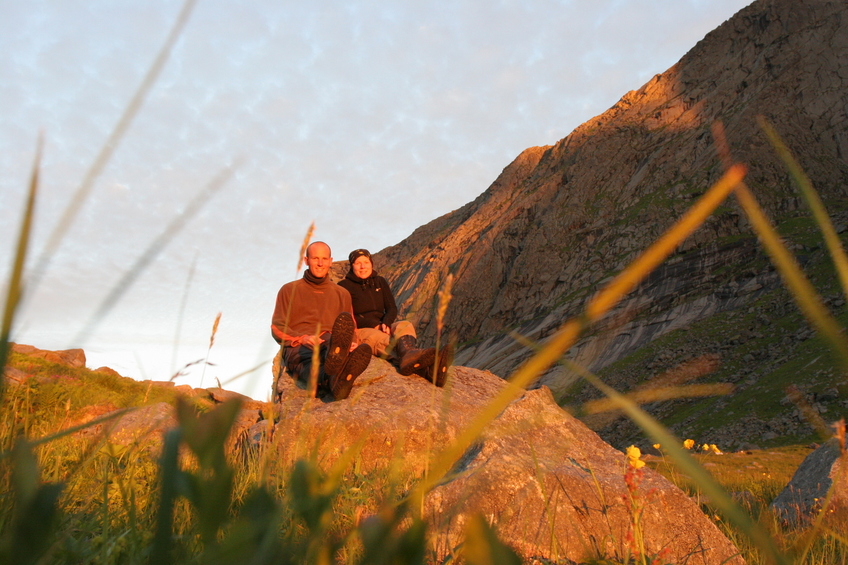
<point>444,298</point>
<point>111,144</point>
<point>15,291</point>
<point>681,457</point>
<point>567,335</point>
<point>303,246</point>
<point>793,277</point>
<point>802,291</point>
<point>152,251</point>
<point>209,349</point>
<point>181,314</point>
<point>822,218</point>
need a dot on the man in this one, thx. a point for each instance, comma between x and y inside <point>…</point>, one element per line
<point>305,309</point>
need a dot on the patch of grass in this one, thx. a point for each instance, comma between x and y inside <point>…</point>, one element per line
<point>55,384</point>
<point>761,473</point>
<point>755,478</point>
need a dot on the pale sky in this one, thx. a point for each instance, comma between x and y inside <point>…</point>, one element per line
<point>369,118</point>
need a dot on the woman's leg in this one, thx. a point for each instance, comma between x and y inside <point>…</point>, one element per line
<point>378,340</point>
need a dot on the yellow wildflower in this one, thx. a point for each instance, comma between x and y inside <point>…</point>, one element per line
<point>633,457</point>
<point>715,449</point>
<point>705,447</point>
<point>689,444</point>
<point>656,446</point>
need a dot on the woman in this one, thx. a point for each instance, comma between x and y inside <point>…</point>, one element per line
<point>376,320</point>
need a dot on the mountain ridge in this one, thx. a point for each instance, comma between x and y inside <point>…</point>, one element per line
<point>561,220</point>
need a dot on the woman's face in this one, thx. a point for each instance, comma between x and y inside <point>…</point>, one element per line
<point>362,267</point>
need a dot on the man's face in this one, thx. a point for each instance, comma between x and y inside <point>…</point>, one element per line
<point>318,259</point>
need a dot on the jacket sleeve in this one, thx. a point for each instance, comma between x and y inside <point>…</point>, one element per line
<point>279,328</point>
<point>389,306</point>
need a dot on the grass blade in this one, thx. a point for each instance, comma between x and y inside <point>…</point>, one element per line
<point>673,447</point>
<point>568,333</point>
<point>132,109</point>
<point>834,245</point>
<point>16,278</point>
<point>181,315</point>
<point>660,394</point>
<point>801,288</point>
<point>152,251</point>
<point>663,247</point>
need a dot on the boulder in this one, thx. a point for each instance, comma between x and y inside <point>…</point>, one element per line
<point>108,371</point>
<point>822,471</point>
<point>14,376</point>
<point>389,413</point>
<point>220,395</point>
<point>71,357</point>
<point>146,423</point>
<point>89,413</point>
<point>554,489</point>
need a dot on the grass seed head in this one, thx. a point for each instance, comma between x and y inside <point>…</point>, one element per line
<point>444,300</point>
<point>305,244</point>
<point>214,330</point>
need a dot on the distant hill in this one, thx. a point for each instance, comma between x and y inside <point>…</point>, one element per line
<point>561,220</point>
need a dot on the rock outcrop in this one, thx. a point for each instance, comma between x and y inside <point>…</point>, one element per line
<point>143,425</point>
<point>823,472</point>
<point>561,220</point>
<point>555,490</point>
<point>69,357</point>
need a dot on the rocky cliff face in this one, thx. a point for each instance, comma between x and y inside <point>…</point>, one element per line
<point>561,220</point>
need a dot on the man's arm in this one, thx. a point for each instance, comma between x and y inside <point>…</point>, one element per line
<point>293,340</point>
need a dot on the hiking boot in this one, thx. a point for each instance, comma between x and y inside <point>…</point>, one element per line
<point>342,383</point>
<point>339,346</point>
<point>444,362</point>
<point>412,360</point>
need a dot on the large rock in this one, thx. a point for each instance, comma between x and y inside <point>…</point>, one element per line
<point>392,414</point>
<point>14,376</point>
<point>556,490</point>
<point>823,471</point>
<point>552,485</point>
<point>146,425</point>
<point>141,425</point>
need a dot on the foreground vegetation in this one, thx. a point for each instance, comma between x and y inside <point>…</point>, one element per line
<point>71,495</point>
<point>104,502</point>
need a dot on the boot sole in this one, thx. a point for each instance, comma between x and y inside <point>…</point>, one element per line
<point>357,362</point>
<point>445,361</point>
<point>339,347</point>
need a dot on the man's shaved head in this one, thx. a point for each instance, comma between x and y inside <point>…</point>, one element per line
<point>317,243</point>
<point>319,258</point>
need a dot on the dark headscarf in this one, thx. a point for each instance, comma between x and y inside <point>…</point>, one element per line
<point>354,255</point>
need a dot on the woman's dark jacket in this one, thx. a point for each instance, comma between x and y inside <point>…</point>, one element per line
<point>373,303</point>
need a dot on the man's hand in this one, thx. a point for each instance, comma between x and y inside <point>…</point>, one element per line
<point>311,341</point>
<point>385,329</point>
